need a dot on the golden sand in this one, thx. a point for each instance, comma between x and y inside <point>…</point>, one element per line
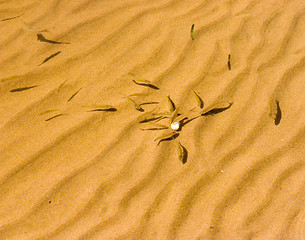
<point>75,163</point>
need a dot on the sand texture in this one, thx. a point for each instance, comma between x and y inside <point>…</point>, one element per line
<point>75,162</point>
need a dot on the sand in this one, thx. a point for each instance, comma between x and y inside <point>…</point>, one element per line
<point>71,173</point>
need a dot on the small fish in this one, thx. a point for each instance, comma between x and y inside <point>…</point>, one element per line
<point>148,116</point>
<point>137,79</point>
<point>30,29</point>
<point>215,107</point>
<point>22,89</point>
<point>164,114</point>
<point>275,111</point>
<point>61,85</point>
<point>148,103</point>
<point>133,103</point>
<point>48,111</point>
<point>192,31</point>
<point>99,106</point>
<point>10,18</point>
<point>102,108</point>
<point>74,95</point>
<point>229,62</point>
<point>154,126</point>
<point>198,99</point>
<point>50,57</point>
<point>167,136</point>
<point>183,116</point>
<point>142,82</point>
<point>15,77</point>
<point>58,115</point>
<point>182,153</point>
<point>171,104</point>
<point>137,94</point>
<point>41,38</point>
<point>174,115</point>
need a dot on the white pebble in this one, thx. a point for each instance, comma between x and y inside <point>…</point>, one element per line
<point>175,125</point>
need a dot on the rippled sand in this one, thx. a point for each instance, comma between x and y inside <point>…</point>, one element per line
<point>69,173</point>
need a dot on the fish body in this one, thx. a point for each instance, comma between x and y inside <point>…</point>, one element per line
<point>198,99</point>
<point>171,104</point>
<point>133,103</point>
<point>167,135</point>
<point>192,31</point>
<point>221,104</point>
<point>275,111</point>
<point>30,29</point>
<point>182,153</point>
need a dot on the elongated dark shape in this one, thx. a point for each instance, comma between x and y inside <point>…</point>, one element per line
<point>74,95</point>
<point>192,31</point>
<point>167,136</point>
<point>146,85</point>
<point>50,57</point>
<point>103,110</point>
<point>22,89</point>
<point>148,103</point>
<point>11,18</point>
<point>171,104</point>
<point>182,153</point>
<point>58,115</point>
<point>275,111</point>
<point>198,99</point>
<point>229,61</point>
<point>133,103</point>
<point>278,116</point>
<point>41,38</point>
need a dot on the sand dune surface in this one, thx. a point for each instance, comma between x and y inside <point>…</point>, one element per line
<point>86,145</point>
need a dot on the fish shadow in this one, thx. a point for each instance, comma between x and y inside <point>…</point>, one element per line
<point>147,85</point>
<point>104,110</point>
<point>216,110</point>
<point>212,112</point>
<point>168,139</point>
<point>185,155</point>
<point>278,116</point>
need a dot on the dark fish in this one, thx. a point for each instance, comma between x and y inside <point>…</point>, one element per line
<point>74,95</point>
<point>41,38</point>
<point>229,62</point>
<point>50,57</point>
<point>192,31</point>
<point>22,89</point>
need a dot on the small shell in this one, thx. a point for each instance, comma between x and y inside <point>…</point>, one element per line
<point>175,125</point>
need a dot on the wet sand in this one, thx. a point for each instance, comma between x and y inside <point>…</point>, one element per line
<point>68,172</point>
